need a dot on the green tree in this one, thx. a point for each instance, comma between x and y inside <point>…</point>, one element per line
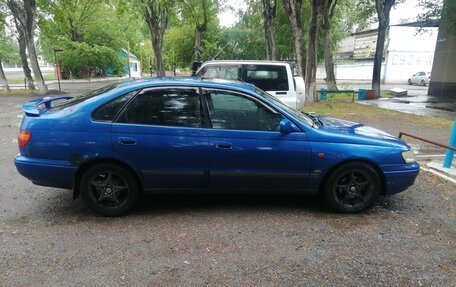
<point>326,12</point>
<point>91,33</point>
<point>25,14</point>
<point>156,14</point>
<point>293,9</point>
<point>269,15</point>
<point>7,51</point>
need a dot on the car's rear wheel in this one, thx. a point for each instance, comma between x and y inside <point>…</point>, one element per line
<point>109,189</point>
<point>409,81</point>
<point>423,83</point>
<point>352,187</point>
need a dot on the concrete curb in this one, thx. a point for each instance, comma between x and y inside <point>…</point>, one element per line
<point>88,80</point>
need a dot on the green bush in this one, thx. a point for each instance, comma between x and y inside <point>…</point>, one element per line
<point>80,59</point>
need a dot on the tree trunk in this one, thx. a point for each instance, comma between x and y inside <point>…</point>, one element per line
<point>197,47</point>
<point>293,10</point>
<point>329,62</point>
<point>3,80</point>
<point>311,58</point>
<point>36,67</point>
<point>156,15</point>
<point>378,59</point>
<point>199,30</point>
<point>269,14</point>
<point>157,45</point>
<point>383,11</point>
<point>23,56</point>
<point>327,10</point>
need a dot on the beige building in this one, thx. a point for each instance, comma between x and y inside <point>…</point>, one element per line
<point>409,48</point>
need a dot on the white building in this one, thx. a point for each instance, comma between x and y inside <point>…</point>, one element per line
<point>408,49</point>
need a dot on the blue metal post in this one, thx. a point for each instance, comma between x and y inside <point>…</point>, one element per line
<point>323,94</point>
<point>449,153</point>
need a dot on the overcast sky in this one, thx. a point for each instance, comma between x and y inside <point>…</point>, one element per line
<point>403,11</point>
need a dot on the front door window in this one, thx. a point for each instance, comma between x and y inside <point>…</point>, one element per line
<point>232,111</point>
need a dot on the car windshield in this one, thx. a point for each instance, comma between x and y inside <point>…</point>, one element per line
<point>301,116</point>
<point>84,97</point>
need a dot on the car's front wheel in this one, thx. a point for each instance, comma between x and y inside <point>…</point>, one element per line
<point>352,187</point>
<point>109,189</point>
<point>409,81</point>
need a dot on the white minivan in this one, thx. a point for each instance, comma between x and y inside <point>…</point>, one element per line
<point>275,77</point>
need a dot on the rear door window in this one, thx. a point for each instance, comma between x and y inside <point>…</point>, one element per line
<point>266,77</point>
<point>165,107</point>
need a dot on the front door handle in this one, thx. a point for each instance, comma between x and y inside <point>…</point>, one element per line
<point>224,146</point>
<point>127,141</point>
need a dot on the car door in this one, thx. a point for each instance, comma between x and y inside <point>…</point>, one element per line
<point>419,77</point>
<point>162,134</point>
<point>246,149</point>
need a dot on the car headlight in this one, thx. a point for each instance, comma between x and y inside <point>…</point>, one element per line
<point>408,156</point>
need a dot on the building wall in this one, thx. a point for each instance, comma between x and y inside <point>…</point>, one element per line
<point>135,68</point>
<point>357,72</point>
<point>410,50</point>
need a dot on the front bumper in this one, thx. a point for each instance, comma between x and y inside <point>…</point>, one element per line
<point>399,177</point>
<point>46,172</point>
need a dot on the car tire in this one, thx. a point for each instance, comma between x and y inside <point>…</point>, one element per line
<point>423,83</point>
<point>109,189</point>
<point>410,82</point>
<point>351,188</point>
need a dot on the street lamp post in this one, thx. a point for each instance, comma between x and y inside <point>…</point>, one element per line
<point>57,66</point>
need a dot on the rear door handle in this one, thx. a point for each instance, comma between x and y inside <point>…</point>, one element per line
<point>127,141</point>
<point>224,146</point>
<point>281,93</point>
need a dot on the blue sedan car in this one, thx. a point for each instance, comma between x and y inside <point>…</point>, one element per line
<point>169,134</point>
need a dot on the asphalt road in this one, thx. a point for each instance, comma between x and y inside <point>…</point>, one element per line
<point>47,239</point>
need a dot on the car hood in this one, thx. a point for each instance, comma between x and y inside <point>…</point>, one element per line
<point>357,133</point>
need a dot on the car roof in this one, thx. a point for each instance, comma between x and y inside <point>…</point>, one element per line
<point>251,62</point>
<point>185,81</point>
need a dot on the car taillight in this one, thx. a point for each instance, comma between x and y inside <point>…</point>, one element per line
<point>23,138</point>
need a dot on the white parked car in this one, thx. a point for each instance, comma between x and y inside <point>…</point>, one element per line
<point>420,78</point>
<point>275,77</point>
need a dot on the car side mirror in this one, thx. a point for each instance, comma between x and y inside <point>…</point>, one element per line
<point>286,126</point>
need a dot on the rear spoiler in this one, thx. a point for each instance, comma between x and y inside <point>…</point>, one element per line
<point>34,108</point>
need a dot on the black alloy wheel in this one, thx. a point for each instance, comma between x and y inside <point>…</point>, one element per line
<point>353,187</point>
<point>409,81</point>
<point>109,189</point>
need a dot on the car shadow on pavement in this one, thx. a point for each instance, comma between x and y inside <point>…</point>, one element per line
<point>183,202</point>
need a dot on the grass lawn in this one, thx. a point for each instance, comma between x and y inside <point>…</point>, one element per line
<point>18,92</point>
<point>20,80</point>
<point>368,113</point>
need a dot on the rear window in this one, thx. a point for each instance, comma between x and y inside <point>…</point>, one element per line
<point>228,72</point>
<point>266,77</point>
<point>108,111</point>
<point>79,99</point>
